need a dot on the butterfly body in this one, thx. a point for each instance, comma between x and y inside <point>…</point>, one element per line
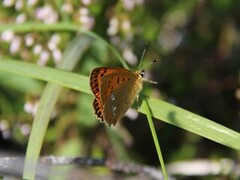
<point>115,90</point>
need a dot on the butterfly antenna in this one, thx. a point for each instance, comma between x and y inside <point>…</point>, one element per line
<point>141,68</point>
<point>152,62</point>
<point>146,80</point>
<point>143,54</point>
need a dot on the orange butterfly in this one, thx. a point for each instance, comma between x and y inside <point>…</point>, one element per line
<point>115,90</point>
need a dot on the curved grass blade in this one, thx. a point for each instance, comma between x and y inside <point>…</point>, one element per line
<point>161,110</point>
<point>46,105</point>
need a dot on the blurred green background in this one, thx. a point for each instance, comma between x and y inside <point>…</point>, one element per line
<point>197,44</point>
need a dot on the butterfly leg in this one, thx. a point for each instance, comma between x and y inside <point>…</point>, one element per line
<point>138,106</point>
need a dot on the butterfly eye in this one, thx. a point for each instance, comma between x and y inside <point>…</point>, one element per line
<point>142,73</point>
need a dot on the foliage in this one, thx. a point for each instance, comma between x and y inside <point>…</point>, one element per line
<point>197,44</point>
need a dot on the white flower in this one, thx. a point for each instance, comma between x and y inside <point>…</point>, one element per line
<point>21,18</point>
<point>44,57</point>
<point>113,26</point>
<point>85,19</point>
<point>129,56</point>
<point>7,35</point>
<point>83,11</point>
<point>25,129</point>
<point>29,40</point>
<point>52,45</point>
<point>46,14</point>
<point>53,42</point>
<point>132,114</point>
<point>37,49</point>
<point>4,128</point>
<point>126,25</point>
<point>31,2</point>
<point>8,3</point>
<point>86,2</point>
<point>19,5</point>
<point>31,107</point>
<point>128,4</point>
<point>66,7</point>
<point>4,125</point>
<point>55,38</point>
<point>57,55</point>
<point>15,45</point>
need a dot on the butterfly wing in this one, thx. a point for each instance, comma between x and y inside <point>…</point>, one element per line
<point>96,79</point>
<point>100,89</point>
<point>115,90</point>
<point>124,88</point>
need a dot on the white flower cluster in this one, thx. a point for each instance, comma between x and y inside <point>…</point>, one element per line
<point>120,24</point>
<point>46,14</point>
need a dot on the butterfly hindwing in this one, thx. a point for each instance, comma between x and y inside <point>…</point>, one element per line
<point>96,80</point>
<point>113,81</point>
<point>98,109</point>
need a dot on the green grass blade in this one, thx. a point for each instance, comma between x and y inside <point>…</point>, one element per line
<point>46,106</point>
<point>155,138</point>
<point>161,110</point>
<point>61,77</point>
<point>194,123</point>
<point>40,124</point>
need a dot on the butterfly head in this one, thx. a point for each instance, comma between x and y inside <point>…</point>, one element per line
<point>141,73</point>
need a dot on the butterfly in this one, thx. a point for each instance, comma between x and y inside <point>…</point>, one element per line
<point>115,89</point>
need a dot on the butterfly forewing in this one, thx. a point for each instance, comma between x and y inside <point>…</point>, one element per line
<point>95,79</point>
<point>121,99</point>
